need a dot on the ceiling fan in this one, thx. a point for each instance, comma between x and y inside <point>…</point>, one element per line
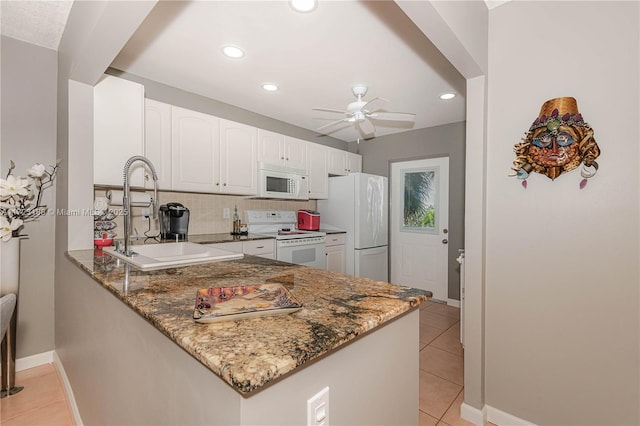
<point>362,114</point>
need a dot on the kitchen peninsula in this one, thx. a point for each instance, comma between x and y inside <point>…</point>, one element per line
<point>139,357</point>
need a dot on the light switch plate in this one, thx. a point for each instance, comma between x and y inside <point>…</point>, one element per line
<point>318,409</point>
<point>226,213</point>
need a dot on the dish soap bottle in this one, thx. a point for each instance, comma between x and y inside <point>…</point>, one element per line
<point>236,221</point>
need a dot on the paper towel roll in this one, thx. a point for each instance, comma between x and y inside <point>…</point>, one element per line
<point>138,199</point>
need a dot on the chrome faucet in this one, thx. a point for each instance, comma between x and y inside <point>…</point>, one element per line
<point>126,203</point>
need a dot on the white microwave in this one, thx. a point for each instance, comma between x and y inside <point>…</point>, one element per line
<point>282,182</point>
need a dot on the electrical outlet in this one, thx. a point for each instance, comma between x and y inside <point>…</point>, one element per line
<point>318,409</point>
<point>226,214</point>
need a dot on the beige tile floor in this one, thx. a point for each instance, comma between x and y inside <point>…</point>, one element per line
<point>43,402</point>
<point>441,366</point>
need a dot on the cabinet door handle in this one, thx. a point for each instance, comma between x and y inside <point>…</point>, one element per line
<point>224,184</point>
<point>287,158</point>
<point>282,158</point>
<point>217,183</point>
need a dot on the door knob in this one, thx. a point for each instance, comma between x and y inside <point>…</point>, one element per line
<point>445,241</point>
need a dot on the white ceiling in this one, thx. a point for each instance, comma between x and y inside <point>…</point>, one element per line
<point>315,58</point>
<point>36,22</point>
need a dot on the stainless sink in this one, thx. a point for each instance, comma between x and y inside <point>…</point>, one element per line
<point>168,255</point>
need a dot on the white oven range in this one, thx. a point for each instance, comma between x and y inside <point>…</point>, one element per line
<point>292,245</point>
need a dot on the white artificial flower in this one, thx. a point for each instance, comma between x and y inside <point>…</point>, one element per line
<point>13,186</point>
<point>36,171</point>
<point>7,228</point>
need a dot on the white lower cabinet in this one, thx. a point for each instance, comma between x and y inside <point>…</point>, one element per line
<point>262,248</point>
<point>335,253</point>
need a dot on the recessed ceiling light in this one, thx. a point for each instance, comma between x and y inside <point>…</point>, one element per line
<point>303,5</point>
<point>447,96</point>
<point>233,52</point>
<point>270,87</point>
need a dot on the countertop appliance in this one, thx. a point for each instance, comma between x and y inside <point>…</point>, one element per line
<point>358,204</point>
<point>292,245</point>
<point>308,220</point>
<point>282,182</point>
<point>174,222</point>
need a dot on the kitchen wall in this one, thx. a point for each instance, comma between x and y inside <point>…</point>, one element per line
<point>446,140</point>
<point>29,96</point>
<point>562,273</point>
<point>205,210</point>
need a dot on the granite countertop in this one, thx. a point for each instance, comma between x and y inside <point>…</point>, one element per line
<point>224,238</point>
<point>249,354</point>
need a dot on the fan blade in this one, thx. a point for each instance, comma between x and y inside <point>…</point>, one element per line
<point>333,123</point>
<point>396,116</point>
<point>329,110</point>
<point>375,104</point>
<point>366,127</point>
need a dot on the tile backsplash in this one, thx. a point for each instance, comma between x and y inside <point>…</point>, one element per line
<point>205,211</point>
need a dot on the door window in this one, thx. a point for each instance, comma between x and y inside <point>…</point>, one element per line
<point>420,201</point>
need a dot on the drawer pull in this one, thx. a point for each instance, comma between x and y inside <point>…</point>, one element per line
<point>260,247</point>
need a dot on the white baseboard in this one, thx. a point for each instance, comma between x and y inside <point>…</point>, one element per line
<point>490,414</point>
<point>473,415</point>
<point>453,302</point>
<point>77,420</point>
<point>501,418</point>
<point>34,360</point>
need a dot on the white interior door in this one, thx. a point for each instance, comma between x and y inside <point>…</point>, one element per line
<point>419,221</point>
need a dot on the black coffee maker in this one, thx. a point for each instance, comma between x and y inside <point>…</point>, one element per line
<point>174,222</point>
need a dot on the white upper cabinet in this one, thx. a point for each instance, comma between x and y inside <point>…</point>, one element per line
<point>295,151</point>
<point>118,130</point>
<point>211,154</point>
<point>238,169</point>
<point>342,163</point>
<point>337,162</point>
<point>195,145</point>
<point>270,147</point>
<point>274,148</point>
<point>354,163</point>
<point>157,142</point>
<point>317,165</point>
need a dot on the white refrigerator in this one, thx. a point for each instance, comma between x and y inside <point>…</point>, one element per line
<point>358,204</point>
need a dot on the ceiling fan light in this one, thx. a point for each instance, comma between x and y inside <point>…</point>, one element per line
<point>270,87</point>
<point>232,52</point>
<point>446,96</point>
<point>303,6</point>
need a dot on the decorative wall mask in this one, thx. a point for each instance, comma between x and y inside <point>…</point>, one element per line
<point>558,141</point>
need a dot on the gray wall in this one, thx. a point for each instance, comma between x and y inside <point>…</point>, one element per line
<point>562,273</point>
<point>181,98</point>
<point>29,93</point>
<point>446,140</point>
